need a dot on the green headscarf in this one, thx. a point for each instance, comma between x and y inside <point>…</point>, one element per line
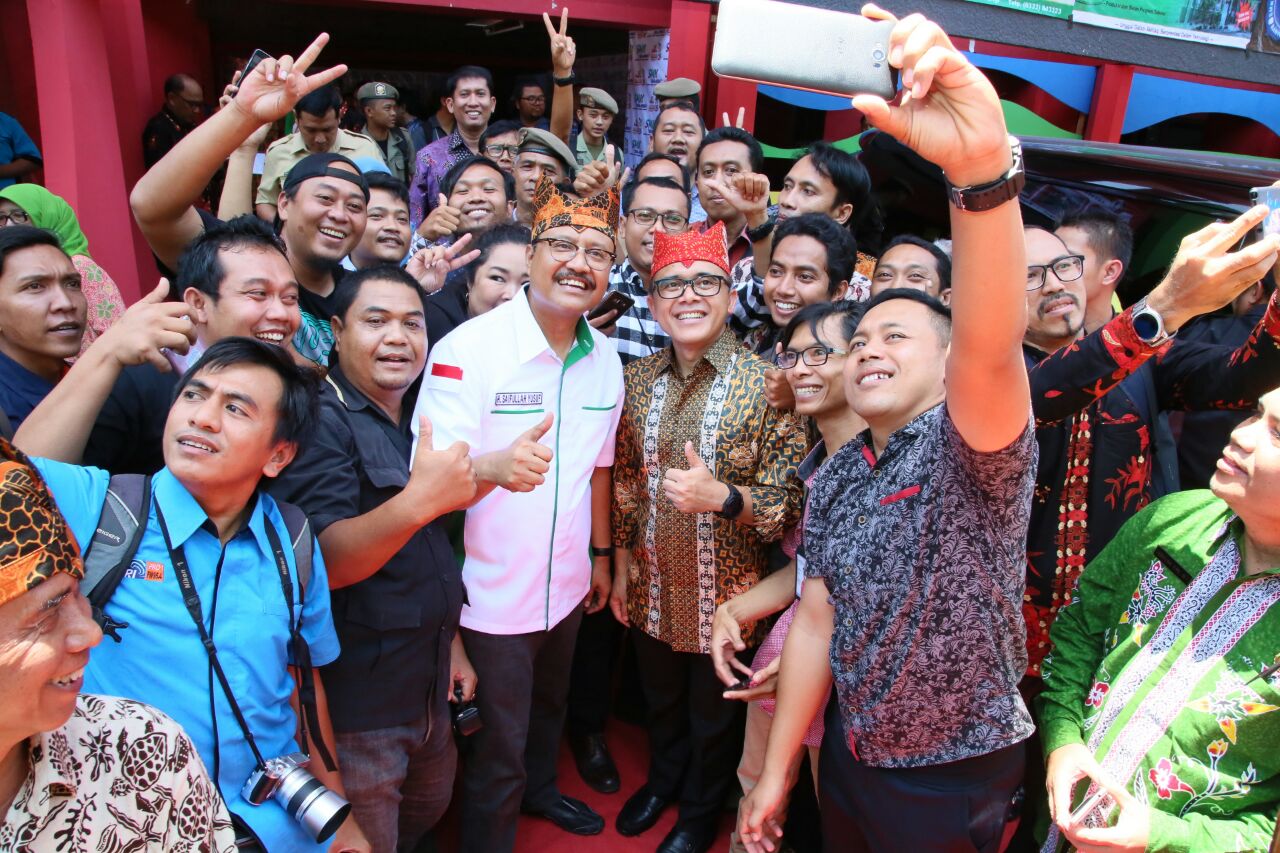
<point>51,212</point>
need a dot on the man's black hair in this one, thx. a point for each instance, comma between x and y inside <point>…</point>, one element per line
<point>654,156</point>
<point>939,314</point>
<point>17,237</point>
<point>499,235</point>
<point>498,128</point>
<point>388,182</point>
<point>842,252</point>
<point>298,409</point>
<point>348,290</point>
<point>629,190</point>
<point>200,265</point>
<point>684,105</point>
<point>1110,235</point>
<point>320,102</point>
<point>175,83</point>
<point>941,259</point>
<point>853,187</point>
<point>465,72</point>
<point>457,170</point>
<point>524,81</point>
<point>812,316</point>
<point>755,154</point>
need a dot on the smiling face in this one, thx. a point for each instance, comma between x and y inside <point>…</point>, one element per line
<point>807,190</point>
<point>906,265</point>
<point>1248,474</point>
<point>819,391</point>
<point>318,132</point>
<point>797,276</point>
<point>45,637</point>
<point>257,298</point>
<point>471,104</point>
<point>1055,312</point>
<point>595,123</point>
<point>382,340</point>
<point>220,433</point>
<point>637,236</point>
<point>42,309</point>
<point>481,195</point>
<point>679,133</point>
<point>386,231</point>
<point>499,278</point>
<point>694,322</point>
<point>530,167</point>
<point>896,364</point>
<point>720,161</point>
<point>571,287</point>
<point>325,219</point>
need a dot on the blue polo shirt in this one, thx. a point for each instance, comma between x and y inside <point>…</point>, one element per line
<point>20,390</point>
<point>15,143</point>
<point>161,660</point>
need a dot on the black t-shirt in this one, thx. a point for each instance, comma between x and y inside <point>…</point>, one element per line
<point>128,436</point>
<point>314,338</point>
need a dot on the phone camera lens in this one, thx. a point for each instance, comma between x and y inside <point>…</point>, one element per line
<point>877,55</point>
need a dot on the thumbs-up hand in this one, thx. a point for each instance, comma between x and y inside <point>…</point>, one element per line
<point>441,222</point>
<point>441,480</point>
<point>598,175</point>
<point>521,466</point>
<point>694,490</point>
<point>150,325</point>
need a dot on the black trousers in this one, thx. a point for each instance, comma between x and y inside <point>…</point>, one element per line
<point>695,734</point>
<point>591,682</point>
<point>960,807</point>
<point>523,684</point>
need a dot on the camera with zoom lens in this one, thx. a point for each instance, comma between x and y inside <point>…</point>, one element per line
<point>301,795</point>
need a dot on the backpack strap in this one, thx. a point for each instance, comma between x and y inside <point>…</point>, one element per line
<point>114,543</point>
<point>299,527</point>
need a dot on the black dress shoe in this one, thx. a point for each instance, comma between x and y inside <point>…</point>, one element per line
<point>684,838</point>
<point>640,812</point>
<point>570,815</point>
<point>595,764</point>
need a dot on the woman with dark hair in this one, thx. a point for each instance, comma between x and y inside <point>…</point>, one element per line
<point>494,277</point>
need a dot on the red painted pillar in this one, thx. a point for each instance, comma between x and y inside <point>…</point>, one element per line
<point>690,50</point>
<point>841,124</point>
<point>730,96</point>
<point>1110,102</point>
<point>80,46</point>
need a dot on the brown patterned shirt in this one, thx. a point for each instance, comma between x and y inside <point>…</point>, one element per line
<point>683,565</point>
<point>119,776</point>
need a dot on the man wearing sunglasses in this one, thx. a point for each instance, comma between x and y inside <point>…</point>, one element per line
<point>704,480</point>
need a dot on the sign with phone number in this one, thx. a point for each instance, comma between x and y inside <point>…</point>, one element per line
<point>1052,8</point>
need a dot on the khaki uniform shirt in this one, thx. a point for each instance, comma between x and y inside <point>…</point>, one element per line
<point>288,150</point>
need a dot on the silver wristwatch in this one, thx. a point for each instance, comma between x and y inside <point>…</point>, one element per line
<point>1149,325</point>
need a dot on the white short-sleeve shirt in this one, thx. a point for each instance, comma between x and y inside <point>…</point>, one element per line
<point>528,562</point>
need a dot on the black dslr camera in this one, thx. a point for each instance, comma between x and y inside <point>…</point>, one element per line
<point>466,716</point>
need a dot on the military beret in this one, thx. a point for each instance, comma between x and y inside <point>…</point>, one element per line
<point>680,87</point>
<point>590,97</point>
<point>372,91</point>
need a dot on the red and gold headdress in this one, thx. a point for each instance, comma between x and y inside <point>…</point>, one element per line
<point>35,543</point>
<point>553,208</point>
<point>691,246</point>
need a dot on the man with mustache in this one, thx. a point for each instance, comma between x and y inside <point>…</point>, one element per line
<point>386,232</point>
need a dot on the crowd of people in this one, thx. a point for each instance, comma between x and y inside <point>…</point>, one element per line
<point>430,430</point>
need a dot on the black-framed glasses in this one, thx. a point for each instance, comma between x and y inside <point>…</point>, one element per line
<point>496,151</point>
<point>18,217</point>
<point>670,221</point>
<point>534,99</point>
<point>1065,268</point>
<point>704,285</point>
<point>814,356</point>
<point>566,250</point>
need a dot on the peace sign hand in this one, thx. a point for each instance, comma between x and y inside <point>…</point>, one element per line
<point>276,85</point>
<point>431,266</point>
<point>563,50</point>
<point>950,113</point>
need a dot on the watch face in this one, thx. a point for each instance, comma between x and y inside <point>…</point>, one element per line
<point>1146,326</point>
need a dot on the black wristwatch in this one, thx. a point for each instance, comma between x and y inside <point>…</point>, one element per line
<point>733,505</point>
<point>601,552</point>
<point>764,229</point>
<point>565,81</point>
<point>993,193</point>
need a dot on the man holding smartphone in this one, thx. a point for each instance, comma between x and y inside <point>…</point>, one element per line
<point>914,532</point>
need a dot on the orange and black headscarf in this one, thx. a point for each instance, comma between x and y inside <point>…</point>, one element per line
<point>35,542</point>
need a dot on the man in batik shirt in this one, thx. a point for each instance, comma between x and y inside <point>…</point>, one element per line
<point>704,478</point>
<point>1161,694</point>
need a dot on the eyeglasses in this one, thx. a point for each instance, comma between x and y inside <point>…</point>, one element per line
<point>535,99</point>
<point>670,221</point>
<point>496,151</point>
<point>566,250</point>
<point>1065,268</point>
<point>703,285</point>
<point>814,356</point>
<point>18,217</point>
<point>195,105</point>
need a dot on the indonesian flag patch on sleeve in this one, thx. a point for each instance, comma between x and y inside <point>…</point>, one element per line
<point>446,371</point>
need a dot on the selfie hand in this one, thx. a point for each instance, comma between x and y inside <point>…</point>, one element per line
<point>276,85</point>
<point>150,325</point>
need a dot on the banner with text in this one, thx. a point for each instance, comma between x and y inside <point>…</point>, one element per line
<point>646,68</point>
<point>1223,22</point>
<point>1052,8</point>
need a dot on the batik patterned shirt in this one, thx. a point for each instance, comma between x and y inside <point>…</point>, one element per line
<point>432,164</point>
<point>685,565</point>
<point>118,776</point>
<point>922,554</point>
<point>1157,668</point>
<point>1096,404</point>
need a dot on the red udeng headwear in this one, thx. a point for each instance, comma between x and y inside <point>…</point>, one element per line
<point>691,246</point>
